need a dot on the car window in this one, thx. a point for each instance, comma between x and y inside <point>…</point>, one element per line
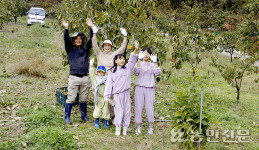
<point>37,12</point>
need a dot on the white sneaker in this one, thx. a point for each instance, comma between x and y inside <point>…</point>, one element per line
<point>150,131</point>
<point>118,131</point>
<point>138,130</point>
<point>125,130</point>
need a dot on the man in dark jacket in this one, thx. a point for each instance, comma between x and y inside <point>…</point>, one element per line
<point>77,48</point>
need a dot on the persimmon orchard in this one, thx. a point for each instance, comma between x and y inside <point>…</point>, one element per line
<point>133,15</point>
<point>12,9</point>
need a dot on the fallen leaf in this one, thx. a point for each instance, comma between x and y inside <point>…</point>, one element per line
<point>35,108</point>
<point>2,91</point>
<point>75,125</point>
<point>13,113</point>
<point>207,55</point>
<point>3,120</point>
<point>80,143</point>
<point>2,112</point>
<point>24,145</point>
<point>163,126</point>
<point>14,106</point>
<point>8,108</point>
<point>76,137</point>
<point>129,129</point>
<point>172,60</point>
<point>17,118</point>
<point>162,118</point>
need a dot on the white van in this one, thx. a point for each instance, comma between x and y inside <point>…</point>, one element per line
<point>36,15</point>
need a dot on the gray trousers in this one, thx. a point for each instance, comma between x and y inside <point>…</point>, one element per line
<point>76,84</point>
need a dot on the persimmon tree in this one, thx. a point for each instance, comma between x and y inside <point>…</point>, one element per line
<point>110,15</point>
<point>12,9</point>
<point>18,8</point>
<point>234,72</point>
<point>248,31</point>
<point>227,42</point>
<point>193,44</point>
<point>5,12</point>
<point>244,39</point>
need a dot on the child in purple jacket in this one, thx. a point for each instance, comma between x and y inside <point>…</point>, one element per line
<point>145,83</point>
<point>118,85</point>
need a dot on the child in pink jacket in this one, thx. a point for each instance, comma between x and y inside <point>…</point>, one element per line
<point>145,83</point>
<point>118,85</point>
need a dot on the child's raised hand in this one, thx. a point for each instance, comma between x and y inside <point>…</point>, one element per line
<point>64,23</point>
<point>136,44</point>
<point>136,47</point>
<point>95,29</point>
<point>89,22</point>
<point>123,32</point>
<point>153,57</point>
<point>141,55</point>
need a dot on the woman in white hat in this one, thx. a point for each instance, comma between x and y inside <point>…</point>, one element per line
<point>105,57</point>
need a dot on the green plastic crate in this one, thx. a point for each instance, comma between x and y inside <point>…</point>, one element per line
<point>61,98</point>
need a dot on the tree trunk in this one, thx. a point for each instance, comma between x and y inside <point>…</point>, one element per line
<point>229,4</point>
<point>15,19</point>
<point>193,74</point>
<point>238,94</point>
<point>231,54</point>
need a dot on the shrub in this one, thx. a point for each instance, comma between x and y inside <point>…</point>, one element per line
<point>186,117</point>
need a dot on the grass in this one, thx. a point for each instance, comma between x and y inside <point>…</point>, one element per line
<point>41,123</point>
<point>40,116</point>
<point>27,49</point>
<point>44,138</point>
